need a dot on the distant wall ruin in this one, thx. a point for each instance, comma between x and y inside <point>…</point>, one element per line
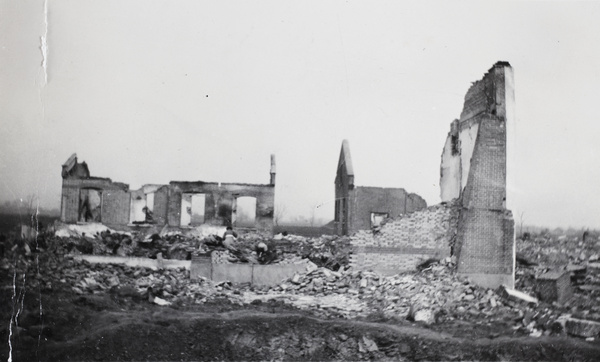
<point>178,204</point>
<point>473,170</point>
<point>360,207</point>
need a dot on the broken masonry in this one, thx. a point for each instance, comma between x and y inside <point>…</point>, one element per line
<point>471,225</point>
<point>361,207</point>
<point>473,171</point>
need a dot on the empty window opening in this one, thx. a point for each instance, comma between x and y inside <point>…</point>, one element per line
<point>90,205</point>
<point>186,209</point>
<point>192,209</point>
<point>245,211</point>
<point>138,203</point>
<point>150,201</point>
<point>377,218</point>
<point>198,203</point>
<point>142,206</point>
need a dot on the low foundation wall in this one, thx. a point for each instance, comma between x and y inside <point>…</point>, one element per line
<point>135,262</point>
<point>254,274</point>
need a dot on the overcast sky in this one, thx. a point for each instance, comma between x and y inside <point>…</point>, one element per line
<point>154,91</point>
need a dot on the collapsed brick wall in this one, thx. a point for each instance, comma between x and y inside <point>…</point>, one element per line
<point>403,243</point>
<point>392,201</point>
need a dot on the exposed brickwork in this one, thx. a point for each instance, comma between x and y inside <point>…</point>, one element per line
<point>485,242</point>
<point>486,184</point>
<point>485,237</point>
<point>393,201</point>
<point>405,242</point>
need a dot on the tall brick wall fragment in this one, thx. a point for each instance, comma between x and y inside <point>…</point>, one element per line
<point>485,244</point>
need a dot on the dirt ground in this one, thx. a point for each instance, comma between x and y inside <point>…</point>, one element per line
<point>120,325</point>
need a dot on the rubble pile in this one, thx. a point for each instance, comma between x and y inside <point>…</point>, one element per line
<point>96,239</point>
<point>577,255</point>
<point>329,251</point>
<point>435,294</point>
<point>548,249</point>
<point>82,277</point>
<point>539,254</point>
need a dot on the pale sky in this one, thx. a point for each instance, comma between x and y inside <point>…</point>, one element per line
<point>154,91</point>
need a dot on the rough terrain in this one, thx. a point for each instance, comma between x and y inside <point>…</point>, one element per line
<point>54,307</point>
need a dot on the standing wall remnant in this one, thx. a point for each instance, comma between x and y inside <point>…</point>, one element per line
<point>473,170</point>
<point>179,204</point>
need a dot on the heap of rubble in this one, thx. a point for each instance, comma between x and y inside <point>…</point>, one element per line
<point>434,294</point>
<point>96,239</point>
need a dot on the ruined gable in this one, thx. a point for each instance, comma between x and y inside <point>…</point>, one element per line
<point>362,207</point>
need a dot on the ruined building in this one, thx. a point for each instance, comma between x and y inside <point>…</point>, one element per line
<point>472,222</point>
<point>359,207</point>
<point>178,204</point>
<point>473,170</point>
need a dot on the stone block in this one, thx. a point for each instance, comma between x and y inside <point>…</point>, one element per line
<point>582,327</point>
<point>274,274</point>
<point>554,287</point>
<point>201,266</point>
<point>235,273</point>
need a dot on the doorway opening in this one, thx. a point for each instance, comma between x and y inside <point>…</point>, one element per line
<point>90,205</point>
<point>192,209</point>
<point>245,211</point>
